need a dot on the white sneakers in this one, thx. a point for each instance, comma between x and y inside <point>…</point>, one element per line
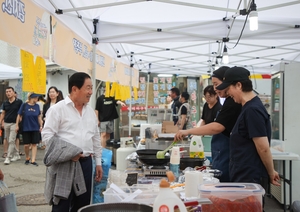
<point>7,161</point>
<point>16,157</point>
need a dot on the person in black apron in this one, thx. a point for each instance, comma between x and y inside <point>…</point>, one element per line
<point>220,128</point>
<point>250,156</point>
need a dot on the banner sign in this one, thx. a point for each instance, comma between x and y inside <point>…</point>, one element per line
<point>34,75</point>
<point>25,25</point>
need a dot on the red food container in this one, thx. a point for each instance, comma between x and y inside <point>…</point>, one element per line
<point>228,197</point>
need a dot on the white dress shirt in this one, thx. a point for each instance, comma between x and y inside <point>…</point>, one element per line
<point>65,121</point>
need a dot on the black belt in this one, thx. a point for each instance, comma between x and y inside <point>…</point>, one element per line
<point>85,158</point>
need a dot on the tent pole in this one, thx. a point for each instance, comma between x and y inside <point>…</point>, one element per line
<point>95,40</point>
<point>93,99</point>
<point>130,103</point>
<point>147,93</point>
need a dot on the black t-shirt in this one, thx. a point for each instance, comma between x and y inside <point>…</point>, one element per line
<point>209,114</point>
<point>228,115</point>
<point>106,107</point>
<point>183,110</point>
<point>175,109</point>
<point>254,121</point>
<point>11,110</point>
<point>257,119</point>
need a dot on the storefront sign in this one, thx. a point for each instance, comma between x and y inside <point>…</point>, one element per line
<point>25,25</point>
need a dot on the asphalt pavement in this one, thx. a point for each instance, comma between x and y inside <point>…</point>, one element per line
<point>27,182</point>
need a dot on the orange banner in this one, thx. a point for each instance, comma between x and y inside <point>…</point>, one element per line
<point>68,49</point>
<point>25,25</point>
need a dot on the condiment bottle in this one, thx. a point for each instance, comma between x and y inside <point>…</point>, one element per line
<point>196,147</point>
<point>166,199</point>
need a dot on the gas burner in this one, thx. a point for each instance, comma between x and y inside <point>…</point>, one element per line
<point>159,167</point>
<point>155,170</point>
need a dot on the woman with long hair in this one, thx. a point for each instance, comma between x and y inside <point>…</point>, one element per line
<point>52,99</point>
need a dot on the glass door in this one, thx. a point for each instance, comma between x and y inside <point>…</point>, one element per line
<point>277,106</point>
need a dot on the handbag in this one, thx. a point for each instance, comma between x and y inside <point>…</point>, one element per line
<point>8,201</point>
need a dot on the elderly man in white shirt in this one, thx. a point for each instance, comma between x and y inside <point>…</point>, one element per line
<point>73,121</point>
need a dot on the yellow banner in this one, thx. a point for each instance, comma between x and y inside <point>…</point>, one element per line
<point>34,75</point>
<point>40,73</point>
<point>29,84</point>
<point>25,25</point>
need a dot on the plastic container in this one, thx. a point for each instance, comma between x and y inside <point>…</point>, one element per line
<point>196,147</point>
<point>175,161</point>
<point>167,199</point>
<point>147,196</point>
<point>228,197</point>
<point>122,152</point>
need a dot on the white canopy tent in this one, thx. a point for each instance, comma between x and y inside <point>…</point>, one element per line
<point>9,72</point>
<point>186,37</point>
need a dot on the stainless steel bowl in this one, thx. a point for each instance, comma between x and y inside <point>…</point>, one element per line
<point>116,207</point>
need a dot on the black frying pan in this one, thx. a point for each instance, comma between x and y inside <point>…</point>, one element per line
<point>151,160</point>
<point>190,162</point>
<point>142,152</point>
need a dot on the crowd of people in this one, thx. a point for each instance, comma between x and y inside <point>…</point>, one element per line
<point>75,132</point>
<point>25,120</point>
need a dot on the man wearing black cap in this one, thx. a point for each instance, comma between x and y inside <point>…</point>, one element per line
<point>220,128</point>
<point>250,155</point>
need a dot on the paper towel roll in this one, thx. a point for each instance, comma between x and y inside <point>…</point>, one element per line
<point>192,181</point>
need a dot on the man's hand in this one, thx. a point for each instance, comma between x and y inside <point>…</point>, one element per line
<point>180,135</point>
<point>99,172</point>
<point>77,157</point>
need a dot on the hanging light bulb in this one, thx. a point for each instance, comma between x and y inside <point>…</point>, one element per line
<point>225,58</point>
<point>253,17</point>
<point>217,65</point>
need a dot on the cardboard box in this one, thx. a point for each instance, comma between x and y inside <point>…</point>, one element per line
<point>169,127</point>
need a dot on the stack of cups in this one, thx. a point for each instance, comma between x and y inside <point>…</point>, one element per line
<point>175,161</point>
<point>192,181</point>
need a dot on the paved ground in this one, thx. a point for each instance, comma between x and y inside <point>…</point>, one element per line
<point>27,182</point>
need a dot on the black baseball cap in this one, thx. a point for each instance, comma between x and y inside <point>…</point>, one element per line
<point>219,73</point>
<point>234,74</point>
